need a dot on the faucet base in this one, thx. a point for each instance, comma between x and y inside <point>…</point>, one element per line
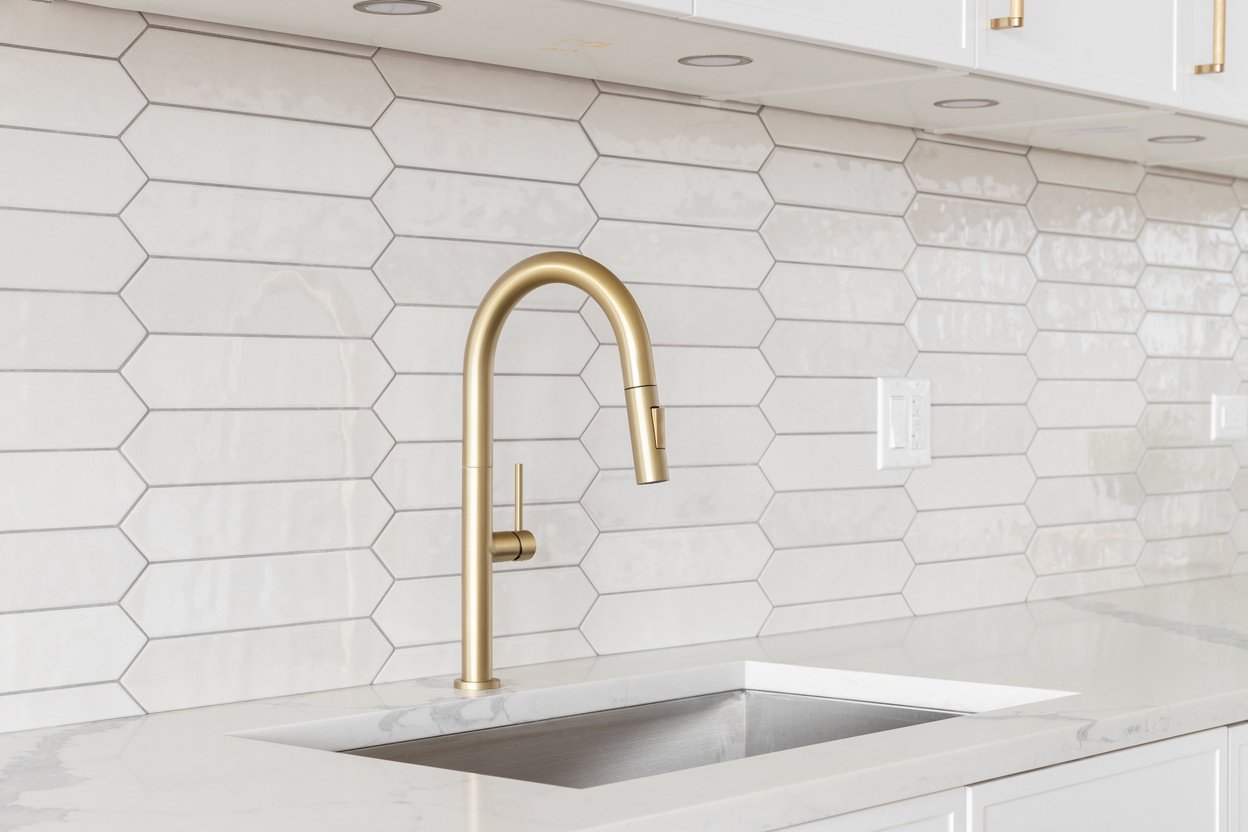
<point>492,684</point>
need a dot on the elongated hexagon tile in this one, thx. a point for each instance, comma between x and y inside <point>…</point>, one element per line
<point>723,317</point>
<point>971,481</point>
<point>818,348</point>
<point>67,647</point>
<point>1084,583</point>
<point>824,180</point>
<point>65,172</point>
<point>1085,211</point>
<point>66,411</point>
<point>34,254</point>
<point>214,521</point>
<point>963,533</point>
<point>255,592</point>
<point>968,584</point>
<point>509,651</point>
<point>423,134</point>
<point>1168,561</point>
<point>1175,425</point>
<point>687,376</point>
<point>695,436</point>
<point>1069,259</point>
<point>86,30</point>
<point>956,170</point>
<point>957,274</point>
<point>1239,489</point>
<point>831,573</point>
<point>1188,200</point>
<point>1085,171</point>
<point>164,21</point>
<point>59,331</point>
<point>686,255</point>
<point>835,614</point>
<point>809,131</point>
<point>1187,379</point>
<point>71,93</point>
<point>1187,290</point>
<point>1075,452</point>
<point>976,379</point>
<point>837,238</point>
<point>1086,404</point>
<point>1171,470</point>
<point>1095,308</point>
<point>663,558</point>
<point>1086,355</point>
<point>812,405</point>
<point>951,326</point>
<point>1170,516</point>
<point>964,223</point>
<point>812,461</point>
<point>824,518</point>
<point>65,489</point>
<point>668,132</point>
<point>1240,316</point>
<point>693,496</point>
<point>659,618</point>
<point>1062,501</point>
<point>61,706</point>
<point>1241,229</point>
<point>1188,246</point>
<point>834,293</point>
<point>249,77</point>
<point>93,566</point>
<point>631,189</point>
<point>418,270</point>
<point>1059,549</point>
<point>255,664</point>
<point>973,430</point>
<point>1180,335</point>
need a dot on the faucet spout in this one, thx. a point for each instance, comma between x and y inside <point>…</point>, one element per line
<point>647,429</point>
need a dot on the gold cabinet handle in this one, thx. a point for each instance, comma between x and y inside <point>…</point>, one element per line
<point>1219,41</point>
<point>1015,20</point>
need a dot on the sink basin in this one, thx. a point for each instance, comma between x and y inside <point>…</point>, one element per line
<point>625,743</point>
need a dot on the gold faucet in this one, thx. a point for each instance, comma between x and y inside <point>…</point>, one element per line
<point>482,546</point>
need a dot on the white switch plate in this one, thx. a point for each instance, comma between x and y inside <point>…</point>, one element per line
<point>1229,417</point>
<point>903,423</point>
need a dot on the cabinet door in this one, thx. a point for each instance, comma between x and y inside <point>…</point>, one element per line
<point>1171,786</point>
<point>944,812</point>
<point>1126,48</point>
<point>925,30</point>
<point>1223,94</point>
<point>1237,769</point>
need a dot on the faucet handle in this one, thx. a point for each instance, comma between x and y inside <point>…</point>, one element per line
<point>519,496</point>
<point>518,544</point>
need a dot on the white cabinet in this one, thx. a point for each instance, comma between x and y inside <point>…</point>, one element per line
<point>1237,771</point>
<point>1223,94</point>
<point>1126,48</point>
<point>925,30</point>
<point>1171,786</point>
<point>944,812</point>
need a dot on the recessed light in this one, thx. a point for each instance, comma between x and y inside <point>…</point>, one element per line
<point>397,6</point>
<point>1176,139</point>
<point>715,60</point>
<point>966,103</point>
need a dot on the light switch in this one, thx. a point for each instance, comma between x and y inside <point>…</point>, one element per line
<point>904,419</point>
<point>1229,417</point>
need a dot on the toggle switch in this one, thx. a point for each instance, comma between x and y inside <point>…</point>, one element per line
<point>904,419</point>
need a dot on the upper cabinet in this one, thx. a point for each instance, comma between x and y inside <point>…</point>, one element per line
<point>1214,69</point>
<point>1120,48</point>
<point>924,30</point>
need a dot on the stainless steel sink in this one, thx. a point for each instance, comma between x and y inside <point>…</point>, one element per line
<point>609,746</point>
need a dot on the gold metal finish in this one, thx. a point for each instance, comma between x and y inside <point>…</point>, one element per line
<point>1219,41</point>
<point>482,546</point>
<point>1014,21</point>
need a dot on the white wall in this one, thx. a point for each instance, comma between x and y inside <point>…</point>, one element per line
<point>238,269</point>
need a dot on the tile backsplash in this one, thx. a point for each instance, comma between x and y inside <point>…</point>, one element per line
<point>238,269</point>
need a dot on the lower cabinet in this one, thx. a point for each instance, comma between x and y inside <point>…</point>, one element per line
<point>1170,786</point>
<point>1237,772</point>
<point>944,812</point>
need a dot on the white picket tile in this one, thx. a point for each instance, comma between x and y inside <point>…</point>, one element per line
<point>809,131</point>
<point>1083,583</point>
<point>205,221</point>
<point>1065,453</point>
<point>695,436</point>
<point>66,411</point>
<point>632,189</point>
<point>693,497</point>
<point>1060,549</point>
<point>1187,379</point>
<point>1093,308</point>
<point>169,598</point>
<point>818,518</point>
<point>821,405</point>
<point>1085,211</point>
<point>837,293</point>
<point>219,73</point>
<point>688,255</point>
<point>1168,561</point>
<point>815,235</point>
<point>687,376</point>
<point>431,78</point>
<point>1169,470</point>
<point>967,584</point>
<point>1086,404</point>
<point>820,461</point>
<point>91,566</point>
<point>422,134</point>
<point>1188,200</point>
<point>961,482</point>
<point>65,647</point>
<point>1062,259</point>
<point>35,252</point>
<point>693,316</point>
<point>668,132</point>
<point>1085,171</point>
<point>951,326</point>
<point>809,348</point>
<point>659,559</point>
<point>974,430</point>
<point>824,180</point>
<point>660,618</point>
<point>1180,335</point>
<point>1186,290</point>
<point>955,170</point>
<point>960,534</point>
<point>71,93</point>
<point>1060,501</point>
<point>1175,425</point>
<point>953,274</point>
<point>209,521</point>
<point>47,331</point>
<point>966,223</point>
<point>65,489</point>
<point>509,651</point>
<point>835,614</point>
<point>185,371</point>
<point>201,670</point>
<point>256,151</point>
<point>242,33</point>
<point>1086,355</point>
<point>63,172</point>
<point>1188,246</point>
<point>473,207</point>
<point>831,573</point>
<point>59,706</point>
<point>88,30</point>
<point>976,379</point>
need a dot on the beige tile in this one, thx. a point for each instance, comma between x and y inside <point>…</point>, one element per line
<point>73,93</point>
<point>35,254</point>
<point>422,134</point>
<point>967,584</point>
<point>668,132</point>
<point>69,27</point>
<point>976,379</point>
<point>1085,211</point>
<point>975,430</point>
<point>970,481</point>
<point>1171,470</point>
<point>61,172</point>
<point>824,518</point>
<point>1184,290</point>
<point>631,189</point>
<point>837,293</point>
<point>1091,308</point>
<point>226,74</point>
<point>1086,404</point>
<point>972,172</point>
<point>1085,171</point>
<point>1062,501</point>
<point>950,326</point>
<point>1188,246</point>
<point>824,180</point>
<point>808,348</point>
<point>1060,549</point>
<point>808,131</point>
<point>1064,259</point>
<point>1188,200</point>
<point>960,534</point>
<point>1065,453</point>
<point>1187,379</point>
<point>652,253</point>
<point>817,461</point>
<point>809,235</point>
<point>431,78</point>
<point>953,274</point>
<point>832,573</point>
<point>1086,355</point>
<point>963,223</point>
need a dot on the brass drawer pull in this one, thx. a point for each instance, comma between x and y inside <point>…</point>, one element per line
<point>1015,20</point>
<point>1219,41</point>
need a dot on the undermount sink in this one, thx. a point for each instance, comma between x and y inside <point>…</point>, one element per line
<point>625,743</point>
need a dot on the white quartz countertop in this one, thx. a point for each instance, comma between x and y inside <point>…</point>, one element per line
<point>1148,664</point>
